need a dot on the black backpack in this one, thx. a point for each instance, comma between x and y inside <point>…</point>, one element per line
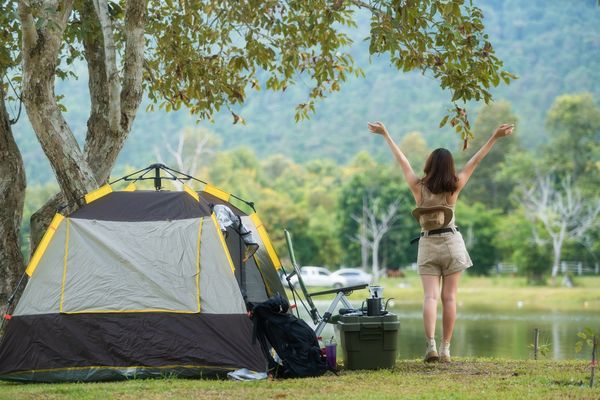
<point>293,340</point>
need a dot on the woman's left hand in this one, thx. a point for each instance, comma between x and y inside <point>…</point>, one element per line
<point>377,128</point>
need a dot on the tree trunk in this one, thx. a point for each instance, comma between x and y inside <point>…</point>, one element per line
<point>375,261</point>
<point>557,250</point>
<point>103,141</point>
<point>12,193</point>
<point>41,47</point>
<point>364,255</point>
<point>557,243</point>
<point>40,220</point>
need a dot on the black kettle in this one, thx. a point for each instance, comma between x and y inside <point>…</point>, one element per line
<point>374,303</point>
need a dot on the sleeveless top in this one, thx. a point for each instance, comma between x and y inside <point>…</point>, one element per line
<point>431,200</point>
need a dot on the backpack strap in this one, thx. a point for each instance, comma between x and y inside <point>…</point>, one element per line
<point>258,333</point>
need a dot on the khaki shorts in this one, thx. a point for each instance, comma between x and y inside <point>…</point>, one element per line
<point>443,254</point>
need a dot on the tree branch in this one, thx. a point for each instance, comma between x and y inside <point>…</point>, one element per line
<point>30,36</point>
<point>60,16</point>
<point>98,126</point>
<point>131,94</point>
<point>110,63</point>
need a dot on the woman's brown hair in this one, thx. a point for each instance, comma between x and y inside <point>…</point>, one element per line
<point>440,176</point>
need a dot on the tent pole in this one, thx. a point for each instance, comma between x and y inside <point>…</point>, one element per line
<point>314,313</point>
<point>157,180</point>
<point>242,269</point>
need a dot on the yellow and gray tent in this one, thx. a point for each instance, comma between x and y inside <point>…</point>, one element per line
<point>139,284</point>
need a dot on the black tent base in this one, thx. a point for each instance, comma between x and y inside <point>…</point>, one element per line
<point>102,347</point>
<point>103,374</point>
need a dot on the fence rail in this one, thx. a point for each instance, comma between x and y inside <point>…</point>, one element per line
<point>579,268</point>
<point>573,267</point>
<point>506,268</point>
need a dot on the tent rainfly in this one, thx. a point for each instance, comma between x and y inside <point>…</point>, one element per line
<point>141,284</point>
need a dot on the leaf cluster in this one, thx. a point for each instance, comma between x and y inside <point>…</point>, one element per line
<point>446,38</point>
<point>10,36</point>
<point>586,336</point>
<point>208,55</point>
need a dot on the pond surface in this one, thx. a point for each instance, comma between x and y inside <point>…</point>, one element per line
<point>494,333</point>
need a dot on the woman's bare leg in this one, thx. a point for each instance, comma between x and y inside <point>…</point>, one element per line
<point>449,288</point>
<point>431,290</point>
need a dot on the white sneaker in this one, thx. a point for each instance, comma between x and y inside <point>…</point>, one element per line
<point>445,352</point>
<point>431,354</point>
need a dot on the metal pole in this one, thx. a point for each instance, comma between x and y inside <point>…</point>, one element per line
<point>314,313</point>
<point>595,343</point>
<point>536,336</point>
<point>157,182</point>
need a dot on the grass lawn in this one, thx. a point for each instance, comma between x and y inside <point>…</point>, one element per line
<point>462,379</point>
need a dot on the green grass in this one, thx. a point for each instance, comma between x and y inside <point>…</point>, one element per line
<point>462,379</point>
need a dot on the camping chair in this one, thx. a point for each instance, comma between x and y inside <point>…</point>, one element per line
<point>340,293</point>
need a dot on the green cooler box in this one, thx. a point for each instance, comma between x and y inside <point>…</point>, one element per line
<point>369,342</point>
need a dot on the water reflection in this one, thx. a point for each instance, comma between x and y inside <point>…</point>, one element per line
<point>494,333</point>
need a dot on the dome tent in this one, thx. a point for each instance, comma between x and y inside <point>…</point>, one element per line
<point>140,283</point>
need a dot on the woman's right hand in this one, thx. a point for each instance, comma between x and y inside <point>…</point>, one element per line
<point>377,128</point>
<point>504,130</point>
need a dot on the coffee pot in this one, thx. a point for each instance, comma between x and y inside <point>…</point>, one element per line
<point>374,302</point>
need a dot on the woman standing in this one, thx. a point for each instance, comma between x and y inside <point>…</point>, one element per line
<point>442,254</point>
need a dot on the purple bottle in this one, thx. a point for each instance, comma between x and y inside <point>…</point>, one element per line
<point>330,352</point>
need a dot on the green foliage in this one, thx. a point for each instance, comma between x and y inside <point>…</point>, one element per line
<point>586,336</point>
<point>516,244</point>
<point>414,145</point>
<point>486,186</point>
<point>10,36</point>
<point>383,184</point>
<point>446,38</point>
<point>574,144</point>
<point>478,225</point>
<point>207,55</point>
<point>561,34</point>
<point>35,197</point>
<point>301,199</point>
<point>543,348</point>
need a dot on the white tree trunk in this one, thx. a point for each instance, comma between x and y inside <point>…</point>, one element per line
<point>556,252</point>
<point>562,211</point>
<point>375,261</point>
<point>376,222</point>
<point>557,244</point>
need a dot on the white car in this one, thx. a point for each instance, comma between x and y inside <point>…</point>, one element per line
<point>353,276</point>
<point>318,276</point>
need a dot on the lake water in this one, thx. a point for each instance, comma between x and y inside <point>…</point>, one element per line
<point>494,333</point>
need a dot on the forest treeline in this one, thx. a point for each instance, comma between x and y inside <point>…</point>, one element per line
<point>509,212</point>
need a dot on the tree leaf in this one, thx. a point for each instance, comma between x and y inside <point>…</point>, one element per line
<point>444,120</point>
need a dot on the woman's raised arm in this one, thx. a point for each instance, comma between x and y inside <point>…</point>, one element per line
<point>464,175</point>
<point>411,178</point>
